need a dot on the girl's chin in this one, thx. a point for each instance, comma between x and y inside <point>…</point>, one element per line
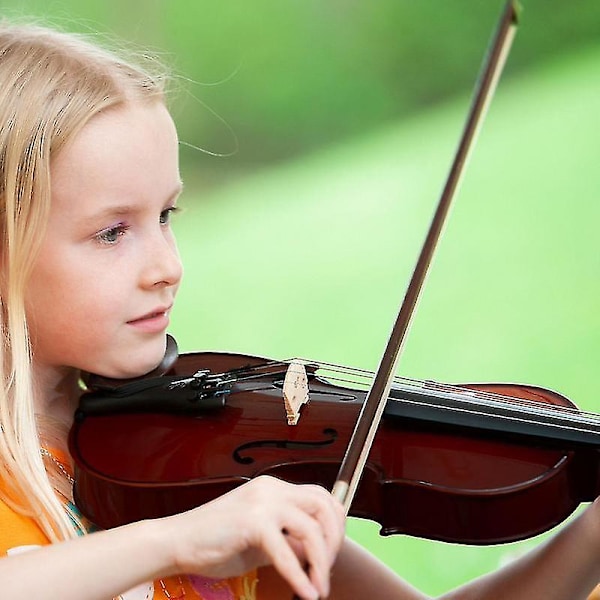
<point>135,364</point>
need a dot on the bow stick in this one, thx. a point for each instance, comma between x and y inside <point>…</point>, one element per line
<point>368,420</point>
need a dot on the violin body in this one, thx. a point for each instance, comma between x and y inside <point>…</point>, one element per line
<point>438,481</point>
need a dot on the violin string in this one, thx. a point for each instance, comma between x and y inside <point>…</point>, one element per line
<point>478,399</point>
<point>473,399</point>
<point>499,417</point>
<point>494,398</point>
<point>361,377</point>
<point>459,390</point>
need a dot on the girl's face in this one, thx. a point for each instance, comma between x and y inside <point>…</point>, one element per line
<point>108,270</point>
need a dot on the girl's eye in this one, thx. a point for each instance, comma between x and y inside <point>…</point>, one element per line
<point>165,215</point>
<point>112,234</point>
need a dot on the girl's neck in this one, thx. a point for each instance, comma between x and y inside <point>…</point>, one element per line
<point>57,394</point>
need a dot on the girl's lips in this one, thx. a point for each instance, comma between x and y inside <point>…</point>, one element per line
<point>153,322</point>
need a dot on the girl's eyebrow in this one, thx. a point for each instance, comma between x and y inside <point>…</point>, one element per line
<point>119,210</point>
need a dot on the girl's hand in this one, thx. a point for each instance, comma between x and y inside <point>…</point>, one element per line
<point>297,528</point>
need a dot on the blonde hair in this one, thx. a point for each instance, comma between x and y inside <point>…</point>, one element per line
<point>51,84</point>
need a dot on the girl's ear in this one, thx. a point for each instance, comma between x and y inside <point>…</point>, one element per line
<point>96,382</point>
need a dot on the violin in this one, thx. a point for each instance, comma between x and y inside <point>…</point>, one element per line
<point>473,463</point>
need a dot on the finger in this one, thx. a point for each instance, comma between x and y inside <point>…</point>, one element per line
<point>330,514</point>
<point>287,563</point>
<point>317,502</point>
<point>306,531</point>
<point>313,522</point>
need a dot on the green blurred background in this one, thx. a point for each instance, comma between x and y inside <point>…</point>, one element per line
<point>317,137</point>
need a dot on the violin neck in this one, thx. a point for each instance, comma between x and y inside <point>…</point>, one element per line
<point>539,422</point>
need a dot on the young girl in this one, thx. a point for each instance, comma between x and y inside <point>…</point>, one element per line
<point>89,180</point>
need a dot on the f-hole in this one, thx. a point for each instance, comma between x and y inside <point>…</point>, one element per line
<point>240,454</point>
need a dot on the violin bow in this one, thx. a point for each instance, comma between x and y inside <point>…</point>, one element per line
<point>369,418</point>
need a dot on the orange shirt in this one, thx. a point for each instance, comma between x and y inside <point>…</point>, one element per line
<point>19,533</point>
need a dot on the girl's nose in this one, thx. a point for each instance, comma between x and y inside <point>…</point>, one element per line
<point>163,265</point>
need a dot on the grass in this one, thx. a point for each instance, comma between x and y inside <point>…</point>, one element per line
<point>311,259</point>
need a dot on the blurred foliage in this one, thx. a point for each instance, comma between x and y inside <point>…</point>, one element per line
<point>267,80</point>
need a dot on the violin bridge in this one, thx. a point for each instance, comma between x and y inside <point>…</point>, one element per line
<point>295,391</point>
